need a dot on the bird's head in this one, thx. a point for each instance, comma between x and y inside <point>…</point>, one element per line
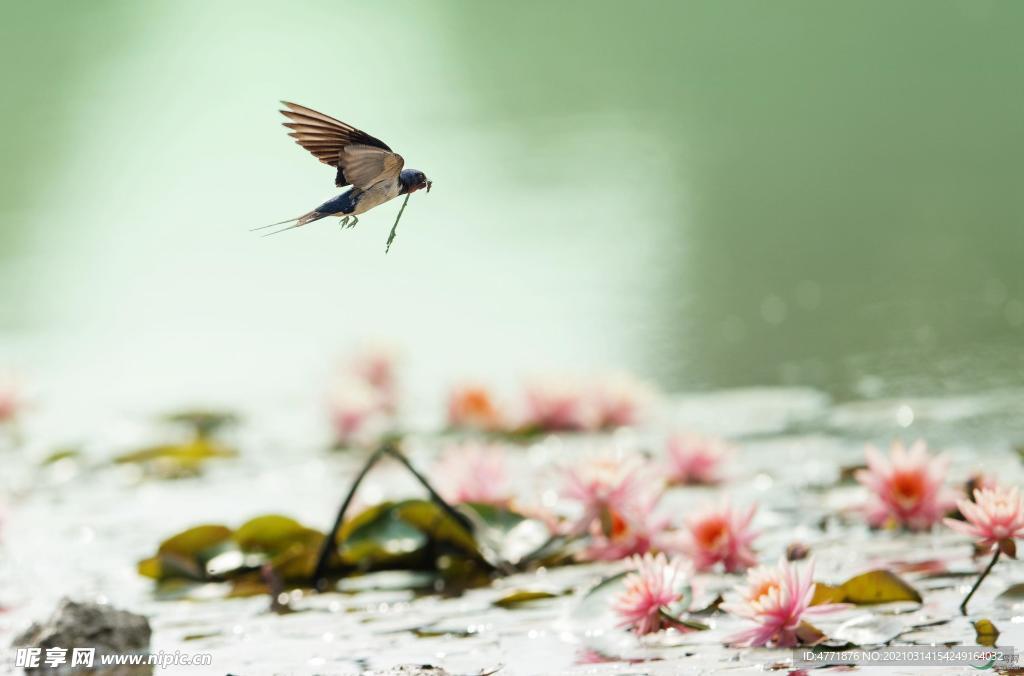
<point>413,180</point>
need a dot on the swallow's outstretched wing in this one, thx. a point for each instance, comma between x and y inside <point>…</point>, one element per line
<point>361,159</point>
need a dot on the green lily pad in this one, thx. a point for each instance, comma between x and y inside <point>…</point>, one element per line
<point>522,597</point>
<point>809,635</point>
<point>827,593</point>
<point>437,524</point>
<point>417,535</point>
<point>176,460</point>
<point>204,422</point>
<point>216,553</point>
<point>498,518</point>
<point>378,537</point>
<point>185,555</point>
<point>61,454</point>
<point>504,535</point>
<point>413,535</point>
<point>269,533</point>
<point>195,541</point>
<point>292,549</point>
<point>296,562</point>
<point>986,633</point>
<point>873,587</point>
<point>250,584</point>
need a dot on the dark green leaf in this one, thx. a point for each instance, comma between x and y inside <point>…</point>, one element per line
<point>524,596</point>
<point>204,422</point>
<point>380,537</point>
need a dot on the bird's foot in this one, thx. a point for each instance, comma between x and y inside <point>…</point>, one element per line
<point>355,219</point>
<point>343,222</point>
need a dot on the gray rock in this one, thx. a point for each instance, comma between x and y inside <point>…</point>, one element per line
<point>88,625</point>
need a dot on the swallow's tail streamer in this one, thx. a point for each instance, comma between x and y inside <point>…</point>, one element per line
<point>297,222</point>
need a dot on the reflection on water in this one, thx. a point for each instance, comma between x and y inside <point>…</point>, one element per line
<point>714,195</point>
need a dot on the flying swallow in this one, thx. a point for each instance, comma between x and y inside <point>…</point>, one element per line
<point>366,163</point>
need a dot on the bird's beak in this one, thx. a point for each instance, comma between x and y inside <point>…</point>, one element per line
<point>429,184</point>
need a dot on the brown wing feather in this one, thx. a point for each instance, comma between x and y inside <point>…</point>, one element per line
<point>326,137</point>
<point>365,165</point>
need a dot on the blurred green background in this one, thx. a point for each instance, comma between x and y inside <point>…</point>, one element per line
<point>710,193</point>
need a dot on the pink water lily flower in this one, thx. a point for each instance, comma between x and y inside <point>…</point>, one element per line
<point>776,601</point>
<point>907,487</point>
<point>560,404</point>
<point>656,584</point>
<point>376,365</point>
<point>979,480</point>
<point>695,459</point>
<point>473,472</point>
<point>472,405</point>
<point>722,535</point>
<point>996,517</point>
<point>9,402</point>
<point>620,399</point>
<point>607,484</point>
<point>637,530</point>
<point>357,411</point>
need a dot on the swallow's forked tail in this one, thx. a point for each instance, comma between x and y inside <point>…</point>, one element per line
<point>295,222</point>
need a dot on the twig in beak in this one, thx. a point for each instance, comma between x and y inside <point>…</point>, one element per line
<point>391,237</point>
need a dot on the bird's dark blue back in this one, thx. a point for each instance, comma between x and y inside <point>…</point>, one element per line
<point>344,203</point>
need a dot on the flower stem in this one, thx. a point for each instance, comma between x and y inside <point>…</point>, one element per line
<point>331,546</point>
<point>681,623</point>
<point>455,514</point>
<point>977,583</point>
<point>475,527</point>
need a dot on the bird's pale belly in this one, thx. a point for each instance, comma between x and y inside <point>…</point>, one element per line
<point>375,195</point>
